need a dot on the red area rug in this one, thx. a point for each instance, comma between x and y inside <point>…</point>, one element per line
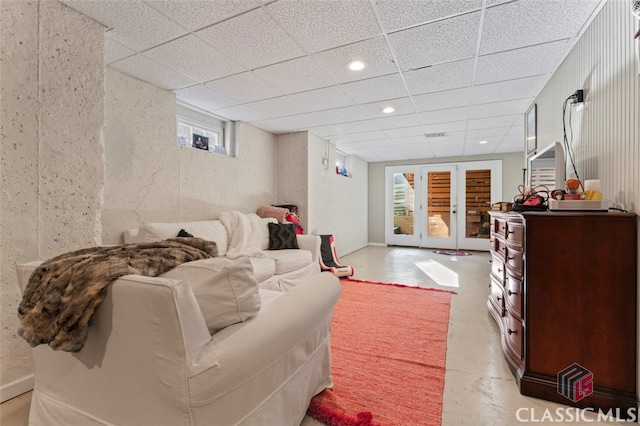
<point>388,352</point>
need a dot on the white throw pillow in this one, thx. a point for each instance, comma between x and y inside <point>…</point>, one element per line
<point>226,289</point>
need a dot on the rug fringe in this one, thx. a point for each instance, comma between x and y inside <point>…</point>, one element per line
<point>331,417</point>
<point>398,285</point>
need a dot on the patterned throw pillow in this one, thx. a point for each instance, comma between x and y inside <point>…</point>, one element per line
<point>282,236</point>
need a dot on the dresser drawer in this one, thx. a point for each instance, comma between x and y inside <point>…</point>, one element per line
<point>497,297</point>
<point>515,234</point>
<point>513,260</point>
<point>498,226</point>
<point>497,268</point>
<point>498,246</point>
<point>514,333</point>
<point>513,294</point>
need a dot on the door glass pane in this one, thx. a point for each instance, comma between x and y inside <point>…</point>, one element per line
<point>478,190</point>
<point>439,204</point>
<point>403,202</point>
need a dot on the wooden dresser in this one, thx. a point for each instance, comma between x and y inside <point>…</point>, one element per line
<point>563,292</point>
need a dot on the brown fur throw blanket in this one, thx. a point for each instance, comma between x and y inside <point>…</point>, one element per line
<point>63,292</point>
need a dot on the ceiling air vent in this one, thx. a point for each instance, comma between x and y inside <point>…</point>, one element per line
<point>435,135</point>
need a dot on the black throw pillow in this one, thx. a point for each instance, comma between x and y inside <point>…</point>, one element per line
<point>282,236</point>
<point>184,233</point>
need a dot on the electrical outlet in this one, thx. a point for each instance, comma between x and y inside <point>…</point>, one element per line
<point>578,96</point>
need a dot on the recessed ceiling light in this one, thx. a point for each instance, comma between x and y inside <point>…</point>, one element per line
<point>356,65</point>
<point>483,142</point>
<point>388,110</point>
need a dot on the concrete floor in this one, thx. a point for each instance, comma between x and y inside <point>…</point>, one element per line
<point>479,387</point>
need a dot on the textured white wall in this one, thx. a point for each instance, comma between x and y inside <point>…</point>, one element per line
<point>292,171</point>
<point>149,178</point>
<point>339,204</point>
<point>52,153</point>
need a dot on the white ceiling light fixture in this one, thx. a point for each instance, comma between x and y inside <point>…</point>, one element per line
<point>388,109</point>
<point>356,65</point>
<point>483,142</point>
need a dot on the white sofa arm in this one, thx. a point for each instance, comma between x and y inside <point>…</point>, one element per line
<point>311,243</point>
<point>141,342</point>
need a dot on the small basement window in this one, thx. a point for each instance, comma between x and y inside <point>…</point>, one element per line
<point>202,130</point>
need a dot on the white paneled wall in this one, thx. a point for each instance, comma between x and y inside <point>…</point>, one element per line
<point>606,130</point>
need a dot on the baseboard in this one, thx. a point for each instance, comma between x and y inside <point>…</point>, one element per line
<point>16,388</point>
<point>377,244</point>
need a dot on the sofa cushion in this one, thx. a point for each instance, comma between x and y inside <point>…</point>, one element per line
<point>264,232</point>
<point>226,289</point>
<point>263,268</point>
<point>282,236</point>
<point>289,260</point>
<point>211,230</point>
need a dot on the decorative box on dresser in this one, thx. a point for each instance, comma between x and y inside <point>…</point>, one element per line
<point>563,292</point>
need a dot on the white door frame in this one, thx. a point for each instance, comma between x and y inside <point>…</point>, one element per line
<point>416,240</point>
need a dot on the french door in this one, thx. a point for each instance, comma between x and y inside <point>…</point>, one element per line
<point>441,205</point>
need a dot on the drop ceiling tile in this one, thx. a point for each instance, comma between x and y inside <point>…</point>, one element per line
<point>134,24</point>
<point>512,143</point>
<point>292,123</point>
<point>507,90</point>
<point>145,69</point>
<point>321,99</point>
<point>374,52</point>
<point>194,58</point>
<point>493,122</point>
<point>196,14</point>
<point>204,98</point>
<point>252,40</point>
<point>418,152</point>
<point>525,23</point>
<point>114,51</point>
<point>449,127</point>
<point>277,107</point>
<point>389,153</point>
<point>442,100</point>
<point>245,87</point>
<point>453,75</point>
<point>296,75</point>
<point>380,143</point>
<point>407,120</point>
<point>344,115</point>
<point>321,25</point>
<point>239,113</point>
<point>443,115</point>
<point>411,141</point>
<point>403,132</point>
<point>524,62</point>
<point>443,41</point>
<point>397,14</point>
<point>362,137</point>
<point>484,134</point>
<point>448,150</point>
<point>357,127</point>
<point>518,106</point>
<point>375,89</point>
<point>325,131</point>
<point>401,106</point>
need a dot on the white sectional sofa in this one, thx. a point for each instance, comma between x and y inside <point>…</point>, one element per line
<point>274,269</point>
<point>150,358</point>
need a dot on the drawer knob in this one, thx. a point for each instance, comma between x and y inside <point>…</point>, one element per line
<point>499,270</point>
<point>509,232</point>
<point>498,298</point>
<point>511,293</point>
<point>510,331</point>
